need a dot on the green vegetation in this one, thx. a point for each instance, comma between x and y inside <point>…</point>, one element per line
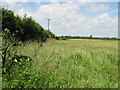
<point>16,31</point>
<point>90,37</point>
<point>32,58</point>
<point>69,64</point>
<point>25,28</point>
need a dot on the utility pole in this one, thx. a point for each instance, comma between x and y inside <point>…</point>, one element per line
<point>48,23</point>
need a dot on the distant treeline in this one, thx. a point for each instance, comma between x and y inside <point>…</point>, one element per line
<point>90,37</point>
<point>24,28</point>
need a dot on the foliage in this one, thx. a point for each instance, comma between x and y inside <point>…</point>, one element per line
<point>16,70</point>
<point>25,28</point>
<point>58,64</point>
<point>13,65</point>
<point>90,37</point>
<point>16,31</point>
<point>61,38</point>
<point>71,63</point>
<point>7,42</point>
<point>57,38</point>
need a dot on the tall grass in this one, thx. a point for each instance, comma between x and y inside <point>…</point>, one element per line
<point>72,63</point>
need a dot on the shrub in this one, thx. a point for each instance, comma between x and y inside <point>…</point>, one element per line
<point>15,67</point>
<point>25,28</point>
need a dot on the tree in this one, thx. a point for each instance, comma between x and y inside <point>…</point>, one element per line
<point>8,20</point>
<point>90,36</point>
<point>24,28</point>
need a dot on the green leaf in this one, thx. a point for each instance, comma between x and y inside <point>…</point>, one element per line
<point>15,60</point>
<point>4,69</point>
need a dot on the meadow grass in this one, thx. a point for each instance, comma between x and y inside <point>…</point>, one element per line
<point>77,63</point>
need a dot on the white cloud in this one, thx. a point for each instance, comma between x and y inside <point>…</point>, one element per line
<point>98,0</point>
<point>15,1</point>
<point>17,8</point>
<point>59,0</point>
<point>11,5</point>
<point>93,8</point>
<point>23,11</point>
<point>67,19</point>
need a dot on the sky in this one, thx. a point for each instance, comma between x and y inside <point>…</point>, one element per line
<point>75,18</point>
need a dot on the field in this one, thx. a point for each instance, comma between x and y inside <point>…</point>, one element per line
<point>78,63</point>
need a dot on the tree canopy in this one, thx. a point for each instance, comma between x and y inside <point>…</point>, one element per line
<point>24,28</point>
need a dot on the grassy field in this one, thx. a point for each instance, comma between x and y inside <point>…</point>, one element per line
<point>73,63</point>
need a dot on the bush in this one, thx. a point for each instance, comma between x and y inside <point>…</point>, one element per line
<point>57,38</point>
<point>15,67</point>
<point>24,29</point>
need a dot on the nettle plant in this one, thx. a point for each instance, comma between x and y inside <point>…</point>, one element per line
<point>12,62</point>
